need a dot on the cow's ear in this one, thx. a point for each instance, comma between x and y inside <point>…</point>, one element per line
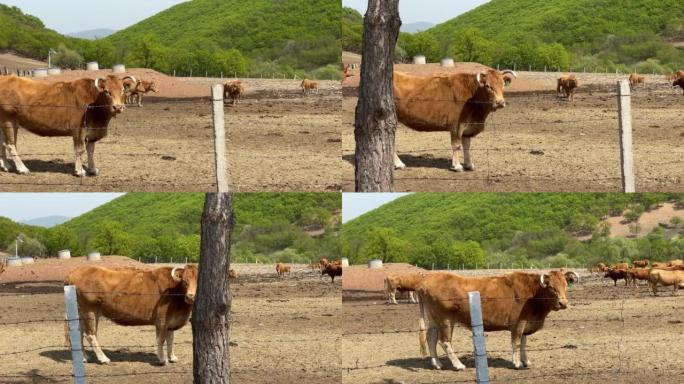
<point>177,274</point>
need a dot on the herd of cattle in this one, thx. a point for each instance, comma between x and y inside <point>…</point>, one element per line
<point>517,302</point>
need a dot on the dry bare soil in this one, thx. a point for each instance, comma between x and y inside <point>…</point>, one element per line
<point>277,140</point>
<point>609,334</point>
<point>284,330</point>
<point>542,143</point>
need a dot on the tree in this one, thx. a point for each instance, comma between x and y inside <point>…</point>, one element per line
<point>230,61</point>
<point>211,312</point>
<point>66,58</point>
<point>376,119</point>
<point>111,239</point>
<point>148,52</point>
<point>102,51</point>
<point>384,244</point>
<point>423,43</point>
<point>471,45</point>
<point>60,238</point>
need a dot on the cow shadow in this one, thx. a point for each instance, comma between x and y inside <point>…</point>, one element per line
<point>415,364</point>
<point>411,161</point>
<point>49,166</point>
<point>35,376</point>
<point>64,356</point>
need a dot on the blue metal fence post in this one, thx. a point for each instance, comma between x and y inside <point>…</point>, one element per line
<point>481,368</point>
<point>74,334</point>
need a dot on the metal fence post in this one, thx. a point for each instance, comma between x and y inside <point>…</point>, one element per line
<point>219,139</point>
<point>477,325</point>
<point>74,334</point>
<point>626,154</point>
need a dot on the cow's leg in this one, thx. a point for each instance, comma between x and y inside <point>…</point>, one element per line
<point>79,149</point>
<point>393,297</point>
<point>4,163</point>
<point>140,97</point>
<point>398,164</point>
<point>161,338</point>
<point>445,336</point>
<point>467,163</point>
<point>516,336</point>
<point>412,298</point>
<point>455,148</point>
<point>10,132</point>
<point>169,347</point>
<point>92,170</point>
<point>90,323</point>
<point>523,351</point>
<point>432,336</point>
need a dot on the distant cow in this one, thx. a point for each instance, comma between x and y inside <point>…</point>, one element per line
<point>621,266</point>
<point>666,278</point>
<point>616,274</point>
<point>232,274</point>
<point>405,282</point>
<point>508,79</point>
<point>135,89</point>
<point>309,86</point>
<point>635,80</point>
<point>315,266</point>
<point>282,269</point>
<point>81,109</point>
<point>679,79</point>
<point>324,261</point>
<point>567,85</point>
<point>635,274</point>
<point>640,263</point>
<point>235,90</point>
<point>332,270</point>
<point>517,302</point>
<point>162,297</point>
<point>572,277</point>
<point>601,267</point>
<point>672,263</point>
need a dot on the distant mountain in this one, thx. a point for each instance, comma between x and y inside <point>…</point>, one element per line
<point>416,27</point>
<point>47,221</point>
<point>93,34</point>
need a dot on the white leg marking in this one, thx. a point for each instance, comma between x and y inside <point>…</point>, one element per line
<point>160,347</point>
<point>452,356</point>
<point>398,164</point>
<point>169,347</point>
<point>101,357</point>
<point>432,345</point>
<point>455,148</point>
<point>523,351</point>
<point>92,170</point>
<point>467,163</point>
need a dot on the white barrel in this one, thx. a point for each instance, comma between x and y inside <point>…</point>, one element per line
<point>94,256</point>
<point>345,262</point>
<point>64,254</point>
<point>119,68</point>
<point>27,260</point>
<point>14,262</point>
<point>447,62</point>
<point>419,60</point>
<point>93,66</point>
<point>40,72</point>
<point>54,71</point>
<point>375,264</point>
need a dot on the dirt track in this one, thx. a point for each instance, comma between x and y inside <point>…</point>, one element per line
<point>284,331</point>
<point>587,343</point>
<point>278,140</point>
<point>540,143</point>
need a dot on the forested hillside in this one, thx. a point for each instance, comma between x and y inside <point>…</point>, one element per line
<point>488,228</point>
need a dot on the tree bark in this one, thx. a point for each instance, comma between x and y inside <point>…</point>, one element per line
<point>211,312</point>
<point>376,119</point>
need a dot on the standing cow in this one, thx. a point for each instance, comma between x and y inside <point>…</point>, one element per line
<point>162,297</point>
<point>679,79</point>
<point>282,269</point>
<point>458,103</point>
<point>517,302</point>
<point>234,90</point>
<point>405,282</point>
<point>81,109</point>
<point>332,270</point>
<point>567,85</point>
<point>309,86</point>
<point>635,80</point>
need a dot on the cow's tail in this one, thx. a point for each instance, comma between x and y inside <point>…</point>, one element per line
<point>422,333</point>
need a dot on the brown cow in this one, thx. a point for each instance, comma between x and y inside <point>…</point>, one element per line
<point>81,109</point>
<point>672,263</point>
<point>406,282</point>
<point>233,274</point>
<point>235,90</point>
<point>324,261</point>
<point>517,302</point>
<point>659,265</point>
<point>508,79</point>
<point>621,266</point>
<point>135,89</point>
<point>309,86</point>
<point>640,263</point>
<point>332,270</point>
<point>601,267</point>
<point>162,297</point>
<point>129,83</point>
<point>315,266</point>
<point>458,103</point>
<point>616,274</point>
<point>567,85</point>
<point>666,278</point>
<point>679,83</point>
<point>635,274</point>
<point>282,269</point>
<point>635,80</point>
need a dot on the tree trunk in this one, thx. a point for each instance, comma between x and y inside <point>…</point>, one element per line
<point>376,119</point>
<point>211,313</point>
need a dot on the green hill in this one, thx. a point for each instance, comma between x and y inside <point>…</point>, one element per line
<point>268,227</point>
<point>259,36</point>
<point>352,30</point>
<point>592,33</point>
<point>476,229</point>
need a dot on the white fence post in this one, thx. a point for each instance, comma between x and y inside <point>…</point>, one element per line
<point>219,139</point>
<point>477,325</point>
<point>626,154</point>
<point>74,334</point>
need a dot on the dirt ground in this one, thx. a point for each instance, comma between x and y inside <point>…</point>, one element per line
<point>283,331</point>
<point>540,143</point>
<point>608,334</point>
<point>277,140</point>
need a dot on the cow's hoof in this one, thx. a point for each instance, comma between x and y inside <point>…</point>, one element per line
<point>399,166</point>
<point>526,364</point>
<point>459,168</point>
<point>80,173</point>
<point>23,170</point>
<point>105,361</point>
<point>163,362</point>
<point>93,172</point>
<point>468,167</point>
<point>173,359</point>
<point>459,367</point>
<point>435,364</point>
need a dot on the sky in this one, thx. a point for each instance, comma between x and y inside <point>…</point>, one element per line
<point>433,11</point>
<point>27,206</point>
<point>70,16</point>
<point>356,204</point>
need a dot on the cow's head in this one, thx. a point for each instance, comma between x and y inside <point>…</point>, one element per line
<point>151,87</point>
<point>187,280</point>
<point>556,288</point>
<point>111,93</point>
<point>679,82</point>
<point>491,87</point>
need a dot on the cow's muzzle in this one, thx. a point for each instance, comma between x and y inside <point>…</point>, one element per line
<point>190,298</point>
<point>499,104</point>
<point>562,304</point>
<point>118,108</point>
